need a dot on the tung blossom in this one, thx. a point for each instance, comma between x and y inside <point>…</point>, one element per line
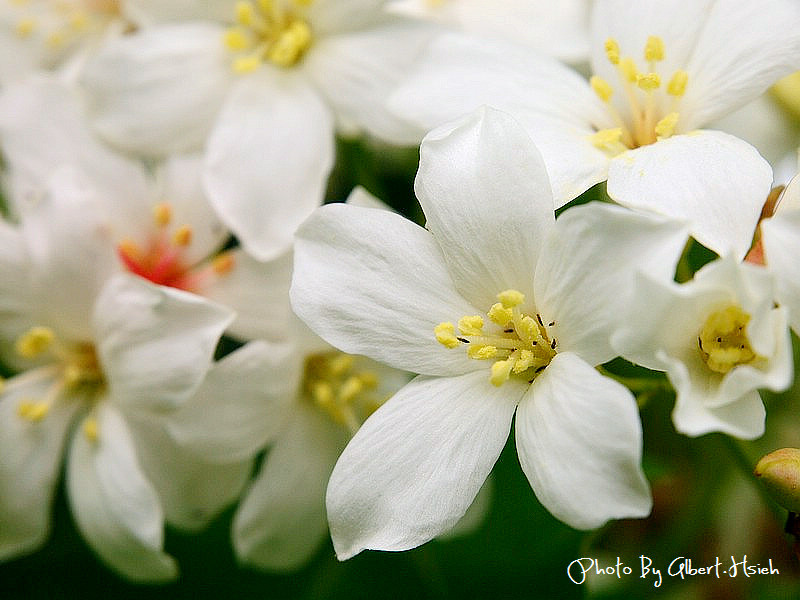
<point>263,89</point>
<point>534,300</point>
<point>662,70</point>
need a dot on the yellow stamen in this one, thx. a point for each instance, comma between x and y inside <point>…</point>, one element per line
<point>91,429</point>
<point>33,410</point>
<point>162,214</point>
<point>501,371</point>
<point>511,298</point>
<point>601,87</point>
<point>648,81</point>
<point>723,340</point>
<point>612,51</point>
<point>445,334</point>
<point>471,325</point>
<point>35,341</point>
<point>291,44</point>
<point>500,315</point>
<point>246,64</point>
<point>481,352</point>
<point>340,364</point>
<point>223,263</point>
<point>350,389</point>
<point>654,49</point>
<point>245,13</point>
<point>235,39</point>
<point>182,236</point>
<point>628,69</point>
<point>666,126</point>
<point>25,27</point>
<point>677,84</point>
<point>609,140</point>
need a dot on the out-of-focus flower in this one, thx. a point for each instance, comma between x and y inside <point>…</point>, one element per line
<point>719,338</point>
<point>371,283</point>
<point>662,69</point>
<point>559,29</point>
<point>270,84</point>
<point>49,34</point>
<point>159,224</point>
<point>779,471</point>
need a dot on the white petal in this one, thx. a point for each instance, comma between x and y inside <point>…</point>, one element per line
<point>114,506</point>
<point>743,49</point>
<point>360,196</point>
<point>281,521</point>
<point>487,199</point>
<point>64,231</point>
<point>781,238</point>
<point>476,514</point>
<point>584,279</point>
<point>693,416</point>
<point>416,465</point>
<point>158,90</point>
<point>579,441</point>
<point>242,404</point>
<point>357,71</point>
<point>43,127</point>
<point>715,181</point>
<point>339,16</point>
<point>191,490</point>
<point>259,293</point>
<point>31,462</point>
<point>155,343</point>
<point>370,282</point>
<point>268,159</point>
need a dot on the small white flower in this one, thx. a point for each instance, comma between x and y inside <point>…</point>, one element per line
<point>263,90</point>
<point>535,300</point>
<point>662,70</point>
<point>719,338</point>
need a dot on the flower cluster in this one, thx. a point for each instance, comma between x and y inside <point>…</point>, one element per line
<point>191,314</point>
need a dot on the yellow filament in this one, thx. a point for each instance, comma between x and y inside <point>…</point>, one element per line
<point>32,410</point>
<point>91,430</point>
<point>34,342</point>
<point>677,84</point>
<point>666,126</point>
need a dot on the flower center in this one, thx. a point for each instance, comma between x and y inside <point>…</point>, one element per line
<point>60,23</point>
<point>333,381</point>
<point>268,31</point>
<point>651,113</point>
<point>518,343</point>
<point>76,368</point>
<point>163,259</point>
<point>723,341</point>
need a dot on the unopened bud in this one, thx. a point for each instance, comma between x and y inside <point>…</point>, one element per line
<point>779,471</point>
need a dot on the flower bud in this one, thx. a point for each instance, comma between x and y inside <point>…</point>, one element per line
<point>779,471</point>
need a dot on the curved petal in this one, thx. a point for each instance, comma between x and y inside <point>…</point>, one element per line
<point>114,506</point>
<point>370,282</point>
<point>31,452</point>
<point>281,521</point>
<point>357,71</point>
<point>242,404</point>
<point>585,278</point>
<point>579,442</point>
<point>743,417</point>
<point>155,343</point>
<point>259,293</point>
<point>191,490</point>
<point>415,466</point>
<point>268,159</point>
<point>487,199</point>
<point>743,49</point>
<point>339,16</point>
<point>715,181</point>
<point>158,90</point>
<point>150,12</point>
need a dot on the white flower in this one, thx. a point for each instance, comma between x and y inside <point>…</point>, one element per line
<point>560,29</point>
<point>662,69</point>
<point>48,34</point>
<point>159,226</point>
<point>719,338</point>
<point>269,84</point>
<point>112,360</point>
<point>371,283</point>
